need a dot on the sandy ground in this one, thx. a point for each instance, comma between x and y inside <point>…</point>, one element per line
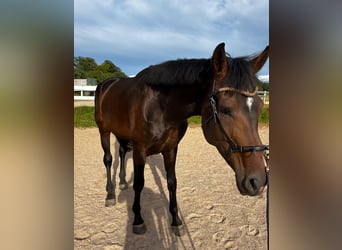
<point>215,215</point>
<point>83,103</point>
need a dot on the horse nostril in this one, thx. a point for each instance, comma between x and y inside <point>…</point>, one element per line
<point>252,185</point>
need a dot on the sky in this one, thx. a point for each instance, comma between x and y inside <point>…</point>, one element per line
<point>135,34</point>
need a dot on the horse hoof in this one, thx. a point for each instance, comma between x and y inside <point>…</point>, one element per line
<point>139,229</point>
<point>178,230</point>
<point>123,186</point>
<point>110,202</point>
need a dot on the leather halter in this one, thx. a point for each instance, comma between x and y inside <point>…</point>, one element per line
<point>234,147</point>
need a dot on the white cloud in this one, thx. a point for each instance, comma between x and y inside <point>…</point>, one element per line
<point>155,30</point>
<point>264,78</point>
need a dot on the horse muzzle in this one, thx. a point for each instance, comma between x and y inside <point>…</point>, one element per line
<point>252,185</point>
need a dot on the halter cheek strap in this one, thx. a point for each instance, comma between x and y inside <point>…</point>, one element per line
<point>234,147</point>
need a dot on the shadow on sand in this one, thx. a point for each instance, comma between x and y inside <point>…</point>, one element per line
<point>154,209</point>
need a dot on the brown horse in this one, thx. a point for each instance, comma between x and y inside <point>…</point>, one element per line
<point>148,114</point>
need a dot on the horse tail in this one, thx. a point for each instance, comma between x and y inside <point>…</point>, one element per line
<point>100,92</point>
<point>97,102</point>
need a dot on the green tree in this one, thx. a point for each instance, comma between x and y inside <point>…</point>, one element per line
<point>82,65</point>
<point>266,86</point>
<point>85,63</point>
<point>108,66</point>
<point>86,68</point>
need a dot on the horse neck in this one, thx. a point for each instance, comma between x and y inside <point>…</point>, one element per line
<point>187,102</point>
<point>201,97</point>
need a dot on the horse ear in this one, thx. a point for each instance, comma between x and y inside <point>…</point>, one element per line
<point>219,62</point>
<point>260,60</point>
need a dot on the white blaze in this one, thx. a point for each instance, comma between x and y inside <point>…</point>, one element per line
<point>249,103</point>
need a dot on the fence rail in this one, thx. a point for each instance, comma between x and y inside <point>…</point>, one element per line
<point>265,96</point>
<point>84,93</point>
<point>87,93</point>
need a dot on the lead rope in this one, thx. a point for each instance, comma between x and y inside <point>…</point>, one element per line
<point>267,157</point>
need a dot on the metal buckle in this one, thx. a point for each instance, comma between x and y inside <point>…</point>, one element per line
<point>213,106</point>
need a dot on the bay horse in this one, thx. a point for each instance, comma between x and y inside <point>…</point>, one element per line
<point>148,114</point>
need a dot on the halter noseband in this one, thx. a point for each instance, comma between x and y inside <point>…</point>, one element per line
<point>234,148</point>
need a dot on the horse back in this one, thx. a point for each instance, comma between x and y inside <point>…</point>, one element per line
<point>116,102</point>
<point>133,111</point>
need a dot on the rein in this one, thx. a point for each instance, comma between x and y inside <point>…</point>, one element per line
<point>234,148</point>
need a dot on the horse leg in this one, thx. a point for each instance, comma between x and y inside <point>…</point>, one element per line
<point>122,154</point>
<point>170,163</point>
<point>107,160</point>
<point>138,185</point>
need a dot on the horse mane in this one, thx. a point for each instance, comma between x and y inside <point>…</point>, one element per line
<point>176,72</point>
<point>194,71</point>
<point>241,74</point>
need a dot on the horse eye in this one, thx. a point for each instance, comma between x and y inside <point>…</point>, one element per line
<point>226,111</point>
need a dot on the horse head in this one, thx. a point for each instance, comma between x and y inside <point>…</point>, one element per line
<point>230,117</point>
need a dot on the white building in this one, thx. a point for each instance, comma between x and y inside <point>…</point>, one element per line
<point>80,82</point>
